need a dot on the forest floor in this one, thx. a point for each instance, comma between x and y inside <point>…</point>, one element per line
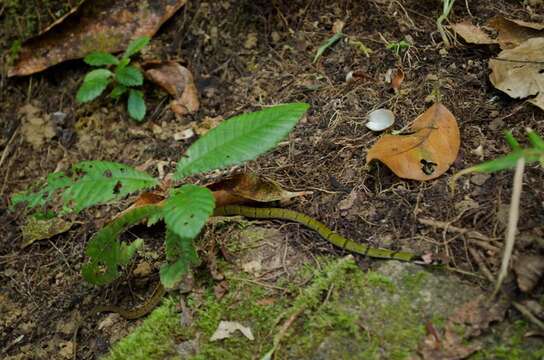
<point>245,55</point>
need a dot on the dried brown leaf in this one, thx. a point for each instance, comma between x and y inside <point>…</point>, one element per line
<point>472,34</point>
<point>95,26</point>
<point>178,81</point>
<point>519,71</point>
<point>424,154</point>
<point>512,33</point>
<point>529,270</point>
<point>244,188</point>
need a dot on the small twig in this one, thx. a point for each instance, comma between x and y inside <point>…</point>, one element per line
<point>528,314</point>
<point>7,148</point>
<point>472,234</point>
<point>513,217</point>
<point>481,264</point>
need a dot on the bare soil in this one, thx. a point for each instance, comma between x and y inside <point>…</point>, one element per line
<point>42,292</point>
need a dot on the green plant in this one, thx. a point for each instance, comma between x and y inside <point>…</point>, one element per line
<point>447,5</point>
<point>124,77</point>
<point>531,155</point>
<point>185,209</point>
<point>398,46</point>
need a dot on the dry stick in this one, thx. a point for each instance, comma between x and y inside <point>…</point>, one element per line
<point>513,217</point>
<point>474,236</point>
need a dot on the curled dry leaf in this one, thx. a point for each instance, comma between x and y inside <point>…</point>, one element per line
<point>519,71</point>
<point>246,188</point>
<point>397,79</point>
<point>427,152</point>
<point>94,26</point>
<point>227,328</point>
<point>512,33</point>
<point>38,229</point>
<point>472,34</point>
<point>177,81</point>
<point>529,270</point>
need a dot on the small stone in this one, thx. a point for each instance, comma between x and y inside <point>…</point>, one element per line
<point>184,135</point>
<point>276,37</point>
<point>479,179</point>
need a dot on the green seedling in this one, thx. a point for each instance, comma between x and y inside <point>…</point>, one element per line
<point>327,44</point>
<point>447,5</point>
<point>185,209</point>
<point>125,78</point>
<point>399,46</point>
<point>532,154</point>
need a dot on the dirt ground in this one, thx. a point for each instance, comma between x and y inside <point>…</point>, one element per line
<point>41,286</point>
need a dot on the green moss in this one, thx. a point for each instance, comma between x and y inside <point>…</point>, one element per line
<point>154,339</point>
<point>512,345</point>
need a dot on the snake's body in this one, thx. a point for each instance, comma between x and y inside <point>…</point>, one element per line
<point>264,213</point>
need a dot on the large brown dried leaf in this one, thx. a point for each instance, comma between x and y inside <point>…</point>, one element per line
<point>178,81</point>
<point>97,25</point>
<point>514,32</point>
<point>427,152</point>
<point>472,34</point>
<point>244,188</point>
<point>519,72</point>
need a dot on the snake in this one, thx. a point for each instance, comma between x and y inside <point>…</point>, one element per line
<point>260,213</point>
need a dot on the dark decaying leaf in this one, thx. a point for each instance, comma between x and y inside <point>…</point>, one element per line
<point>98,25</point>
<point>459,338</point>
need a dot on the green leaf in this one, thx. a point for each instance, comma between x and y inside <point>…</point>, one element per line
<point>129,76</point>
<point>94,84</point>
<point>511,140</point>
<point>93,182</point>
<point>43,194</point>
<point>100,182</point>
<point>99,58</point>
<point>328,43</point>
<point>98,74</point>
<point>240,138</point>
<point>136,45</point>
<point>136,105</point>
<point>107,253</point>
<point>187,209</point>
<point>118,91</point>
<point>122,63</point>
<point>536,140</point>
<point>181,254</point>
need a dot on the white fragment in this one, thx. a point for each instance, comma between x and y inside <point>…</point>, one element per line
<point>379,120</point>
<point>227,328</point>
<point>184,135</point>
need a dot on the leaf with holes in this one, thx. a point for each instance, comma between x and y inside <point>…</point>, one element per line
<point>98,182</point>
<point>107,253</point>
<point>181,255</point>
<point>187,210</point>
<point>240,138</point>
<point>424,154</point>
<point>43,194</point>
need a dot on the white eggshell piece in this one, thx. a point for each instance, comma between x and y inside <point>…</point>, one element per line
<point>379,120</point>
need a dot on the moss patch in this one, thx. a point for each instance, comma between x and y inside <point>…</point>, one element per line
<point>154,339</point>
